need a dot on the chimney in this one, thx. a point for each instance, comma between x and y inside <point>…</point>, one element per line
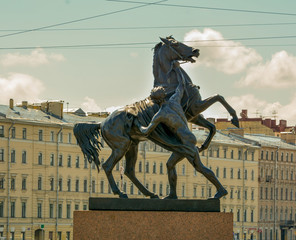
<point>244,114</point>
<point>11,103</point>
<point>25,104</point>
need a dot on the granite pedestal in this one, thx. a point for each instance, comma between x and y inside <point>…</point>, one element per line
<point>152,219</point>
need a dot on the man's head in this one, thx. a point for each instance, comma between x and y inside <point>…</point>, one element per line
<point>158,94</point>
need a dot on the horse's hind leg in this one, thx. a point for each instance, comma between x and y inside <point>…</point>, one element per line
<point>108,166</point>
<point>131,159</point>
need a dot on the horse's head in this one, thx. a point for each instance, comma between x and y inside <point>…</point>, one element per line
<point>180,51</point>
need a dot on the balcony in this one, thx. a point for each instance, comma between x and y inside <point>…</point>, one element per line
<point>287,224</point>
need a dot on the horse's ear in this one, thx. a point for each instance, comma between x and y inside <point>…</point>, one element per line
<point>167,42</point>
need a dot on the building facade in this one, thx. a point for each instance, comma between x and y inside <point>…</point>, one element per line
<point>44,176</point>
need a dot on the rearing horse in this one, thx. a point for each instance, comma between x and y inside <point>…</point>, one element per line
<point>121,133</point>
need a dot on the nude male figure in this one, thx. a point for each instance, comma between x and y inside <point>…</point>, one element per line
<point>172,115</point>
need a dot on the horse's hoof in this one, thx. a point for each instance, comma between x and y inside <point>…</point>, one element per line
<point>171,197</point>
<point>154,196</point>
<point>123,195</point>
<point>221,193</point>
<point>235,121</point>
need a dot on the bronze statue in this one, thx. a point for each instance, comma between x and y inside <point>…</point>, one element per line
<point>121,129</point>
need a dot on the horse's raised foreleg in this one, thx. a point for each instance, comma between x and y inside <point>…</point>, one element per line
<point>201,121</point>
<point>131,158</point>
<point>108,166</point>
<point>200,106</point>
<point>172,174</point>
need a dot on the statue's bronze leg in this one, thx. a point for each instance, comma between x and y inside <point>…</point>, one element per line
<point>200,106</point>
<point>108,166</point>
<point>172,174</point>
<point>131,158</point>
<point>201,121</point>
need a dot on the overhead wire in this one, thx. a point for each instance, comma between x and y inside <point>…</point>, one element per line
<point>81,19</point>
<point>156,27</point>
<point>211,8</point>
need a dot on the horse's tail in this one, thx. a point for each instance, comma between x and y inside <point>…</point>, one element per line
<point>87,136</point>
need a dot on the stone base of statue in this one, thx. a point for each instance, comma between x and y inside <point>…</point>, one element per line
<point>110,218</point>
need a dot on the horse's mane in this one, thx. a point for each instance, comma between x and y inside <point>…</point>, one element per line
<point>157,47</point>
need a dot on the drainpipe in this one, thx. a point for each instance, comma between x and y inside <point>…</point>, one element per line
<point>274,193</point>
<point>8,181</point>
<point>57,185</point>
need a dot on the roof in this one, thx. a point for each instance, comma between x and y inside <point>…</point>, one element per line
<point>270,141</point>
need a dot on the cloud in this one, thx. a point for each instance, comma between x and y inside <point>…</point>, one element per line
<point>279,72</point>
<point>258,107</point>
<point>226,56</point>
<point>20,87</point>
<point>35,58</point>
<point>90,105</point>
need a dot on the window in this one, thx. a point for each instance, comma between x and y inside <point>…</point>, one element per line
<point>69,137</point>
<point>12,209</point>
<point>231,193</point>
<point>161,168</point>
<point>24,133</point>
<point>24,209</point>
<point>1,131</point>
<point>183,190</point>
<point>40,134</point>
<point>154,167</point>
<point>51,184</point>
<point>225,153</point>
<point>68,235</point>
<point>61,137</point>
<point>52,136</point>
<point>140,166</point>
<point>194,191</point>
<point>224,173</point>
<point>60,210</point>
<point>76,207</point>
<point>60,160</point>
<point>245,215</point>
<point>68,211</point>
<point>85,163</point>
<point>217,172</point>
<point>238,194</point>
<point>39,187</point>
<point>231,154</point>
<point>77,162</point>
<point>292,157</point>
<point>39,210</point>
<point>40,159</point>
<point>218,153</point>
<point>51,210</point>
<point>2,182</point>
<point>93,186</point>
<point>60,184</point>
<point>252,175</point>
<point>12,184</point>
<point>1,155</point>
<point>85,185</point>
<point>252,194</point>
<point>1,209</point>
<point>183,169</point>
<point>24,183</point>
<point>51,159</point>
<point>147,167</point>
<point>238,174</point>
<point>69,161</point>
<point>13,132</point>
<point>24,157</point>
<point>231,173</point>
<point>238,215</point>
<point>69,185</point>
<point>84,207</point>
<point>12,156</point>
<point>77,185</point>
<point>102,186</point>
<point>246,174</point>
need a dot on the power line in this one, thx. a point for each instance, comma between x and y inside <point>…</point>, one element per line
<point>211,8</point>
<point>150,43</point>
<point>155,27</point>
<point>81,19</point>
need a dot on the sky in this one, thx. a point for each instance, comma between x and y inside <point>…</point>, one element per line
<point>97,54</point>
